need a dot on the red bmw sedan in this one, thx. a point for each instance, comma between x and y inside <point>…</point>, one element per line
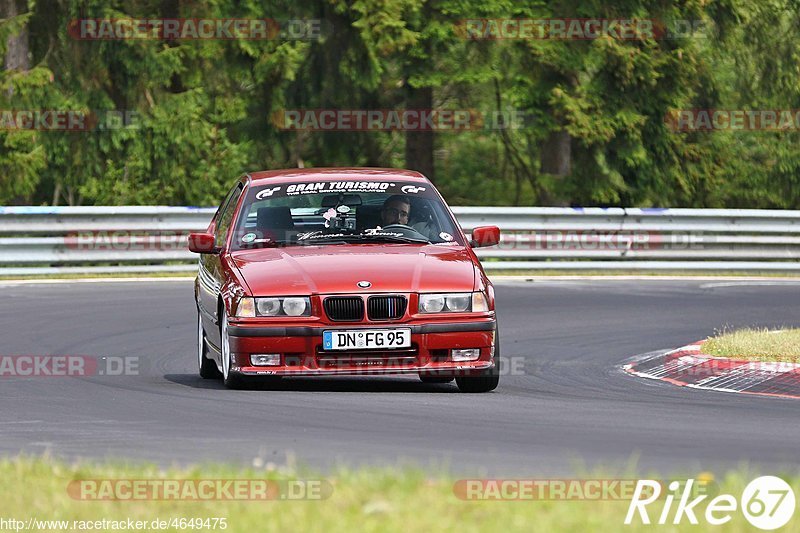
<point>342,271</point>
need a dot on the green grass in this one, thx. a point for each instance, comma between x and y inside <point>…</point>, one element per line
<point>372,499</point>
<point>756,344</point>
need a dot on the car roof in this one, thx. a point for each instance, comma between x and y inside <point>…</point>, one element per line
<point>266,177</point>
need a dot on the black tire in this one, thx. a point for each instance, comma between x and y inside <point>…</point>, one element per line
<point>485,380</point>
<point>436,379</point>
<point>207,368</point>
<point>269,382</point>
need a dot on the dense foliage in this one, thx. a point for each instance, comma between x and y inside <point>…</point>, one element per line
<point>588,117</point>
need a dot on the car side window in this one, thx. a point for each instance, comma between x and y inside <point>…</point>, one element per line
<point>226,214</point>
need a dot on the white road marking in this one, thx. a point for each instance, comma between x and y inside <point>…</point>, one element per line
<point>15,282</point>
<point>736,379</point>
<point>611,277</point>
<point>754,283</point>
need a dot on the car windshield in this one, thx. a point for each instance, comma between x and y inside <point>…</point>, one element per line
<point>339,212</point>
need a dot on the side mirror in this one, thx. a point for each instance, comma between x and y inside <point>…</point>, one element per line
<point>485,236</point>
<point>202,243</point>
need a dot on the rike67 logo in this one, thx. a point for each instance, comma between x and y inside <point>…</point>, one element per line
<point>767,502</point>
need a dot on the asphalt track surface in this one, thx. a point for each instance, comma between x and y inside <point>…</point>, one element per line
<point>567,409</point>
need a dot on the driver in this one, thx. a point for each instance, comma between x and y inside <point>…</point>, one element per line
<point>397,209</point>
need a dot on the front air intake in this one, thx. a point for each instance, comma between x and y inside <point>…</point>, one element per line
<point>344,308</point>
<point>386,307</point>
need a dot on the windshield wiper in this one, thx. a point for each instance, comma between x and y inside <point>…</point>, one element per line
<point>331,240</point>
<point>266,243</point>
<point>361,237</point>
<point>393,238</point>
<point>337,239</point>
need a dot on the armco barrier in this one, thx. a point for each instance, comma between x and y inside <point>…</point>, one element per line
<point>151,239</point>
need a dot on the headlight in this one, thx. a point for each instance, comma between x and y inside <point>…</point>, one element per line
<point>458,302</point>
<point>296,306</point>
<point>431,303</point>
<point>268,306</point>
<point>291,306</point>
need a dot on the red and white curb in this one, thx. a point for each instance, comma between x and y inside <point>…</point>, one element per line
<point>689,367</point>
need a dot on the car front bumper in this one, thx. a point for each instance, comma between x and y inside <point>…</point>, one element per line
<point>300,348</point>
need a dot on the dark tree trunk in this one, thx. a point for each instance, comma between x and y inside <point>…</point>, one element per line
<point>556,153</point>
<point>419,144</point>
<point>17,45</point>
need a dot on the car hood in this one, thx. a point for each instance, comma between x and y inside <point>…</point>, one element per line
<point>296,270</point>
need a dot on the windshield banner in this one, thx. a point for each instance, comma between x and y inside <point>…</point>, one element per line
<point>325,187</point>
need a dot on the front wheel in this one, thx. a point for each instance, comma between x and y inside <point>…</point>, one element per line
<point>231,378</point>
<point>208,368</point>
<point>484,380</point>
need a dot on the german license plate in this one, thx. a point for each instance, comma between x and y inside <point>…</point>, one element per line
<point>366,339</point>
